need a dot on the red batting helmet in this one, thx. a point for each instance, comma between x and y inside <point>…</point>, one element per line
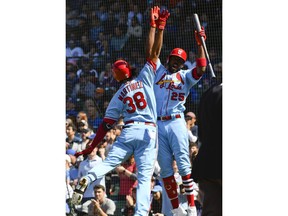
<point>178,52</point>
<point>121,70</point>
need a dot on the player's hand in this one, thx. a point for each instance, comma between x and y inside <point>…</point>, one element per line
<point>161,22</point>
<point>154,15</point>
<point>199,34</point>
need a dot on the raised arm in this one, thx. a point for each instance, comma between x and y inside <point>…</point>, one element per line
<point>160,23</point>
<point>201,59</point>
<point>154,14</point>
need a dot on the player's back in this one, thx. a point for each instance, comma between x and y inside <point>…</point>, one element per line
<point>135,99</point>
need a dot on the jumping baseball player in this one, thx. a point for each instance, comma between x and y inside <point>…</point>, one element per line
<point>172,86</point>
<point>135,101</point>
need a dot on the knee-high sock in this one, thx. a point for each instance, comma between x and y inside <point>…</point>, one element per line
<point>188,186</point>
<point>171,190</point>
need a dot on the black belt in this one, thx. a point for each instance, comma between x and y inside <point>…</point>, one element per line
<point>165,118</point>
<point>141,123</point>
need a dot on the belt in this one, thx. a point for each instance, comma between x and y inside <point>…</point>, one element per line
<point>140,123</point>
<point>165,118</point>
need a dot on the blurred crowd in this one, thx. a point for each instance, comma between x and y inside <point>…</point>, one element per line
<point>98,33</point>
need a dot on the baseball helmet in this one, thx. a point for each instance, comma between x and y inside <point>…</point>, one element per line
<point>121,70</point>
<point>178,52</point>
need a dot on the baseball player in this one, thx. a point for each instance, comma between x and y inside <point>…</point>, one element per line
<point>172,86</point>
<point>135,101</point>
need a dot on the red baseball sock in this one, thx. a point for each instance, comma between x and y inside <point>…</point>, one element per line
<point>188,186</point>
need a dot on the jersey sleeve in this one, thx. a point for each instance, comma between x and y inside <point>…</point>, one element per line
<point>115,107</point>
<point>191,77</point>
<point>148,72</point>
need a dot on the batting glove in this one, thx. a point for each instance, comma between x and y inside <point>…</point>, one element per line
<point>154,15</point>
<point>161,21</point>
<point>200,34</point>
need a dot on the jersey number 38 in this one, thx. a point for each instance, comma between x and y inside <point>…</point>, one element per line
<point>136,102</point>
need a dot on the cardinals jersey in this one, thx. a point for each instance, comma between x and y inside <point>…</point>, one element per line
<point>171,90</point>
<point>135,99</point>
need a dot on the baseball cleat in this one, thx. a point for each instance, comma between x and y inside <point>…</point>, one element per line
<point>192,211</point>
<point>79,191</point>
<point>179,211</point>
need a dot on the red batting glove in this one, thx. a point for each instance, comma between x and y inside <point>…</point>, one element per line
<point>161,22</point>
<point>199,34</point>
<point>154,15</point>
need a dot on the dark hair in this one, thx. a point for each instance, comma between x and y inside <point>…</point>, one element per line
<point>191,144</point>
<point>72,126</point>
<point>96,187</point>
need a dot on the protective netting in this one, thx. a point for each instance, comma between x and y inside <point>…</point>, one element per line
<point>103,31</point>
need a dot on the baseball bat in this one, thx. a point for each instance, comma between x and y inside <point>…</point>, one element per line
<point>198,28</point>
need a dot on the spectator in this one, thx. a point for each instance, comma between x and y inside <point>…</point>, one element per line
<point>110,138</point>
<point>207,167</point>
<point>86,136</point>
<point>101,53</point>
<point>156,205</point>
<point>129,208</point>
<point>96,28</point>
<point>69,121</point>
<point>110,24</point>
<point>134,13</point>
<point>193,151</point>
<point>88,70</point>
<point>191,61</point>
<point>194,127</point>
<point>135,29</point>
<point>73,168</point>
<point>106,73</point>
<point>127,176</point>
<point>191,137</point>
<point>135,36</point>
<point>68,165</point>
<point>106,78</point>
<point>81,121</point>
<point>94,119</point>
<point>73,141</point>
<point>86,45</point>
<point>102,12</point>
<point>69,189</point>
<point>71,76</point>
<point>102,151</point>
<point>100,204</point>
<point>71,108</point>
<point>118,41</point>
<point>119,126</point>
<point>92,161</point>
<point>73,50</point>
<point>84,89</point>
<point>99,96</point>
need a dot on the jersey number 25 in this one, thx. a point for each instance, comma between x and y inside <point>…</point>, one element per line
<point>180,96</point>
<point>138,101</point>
